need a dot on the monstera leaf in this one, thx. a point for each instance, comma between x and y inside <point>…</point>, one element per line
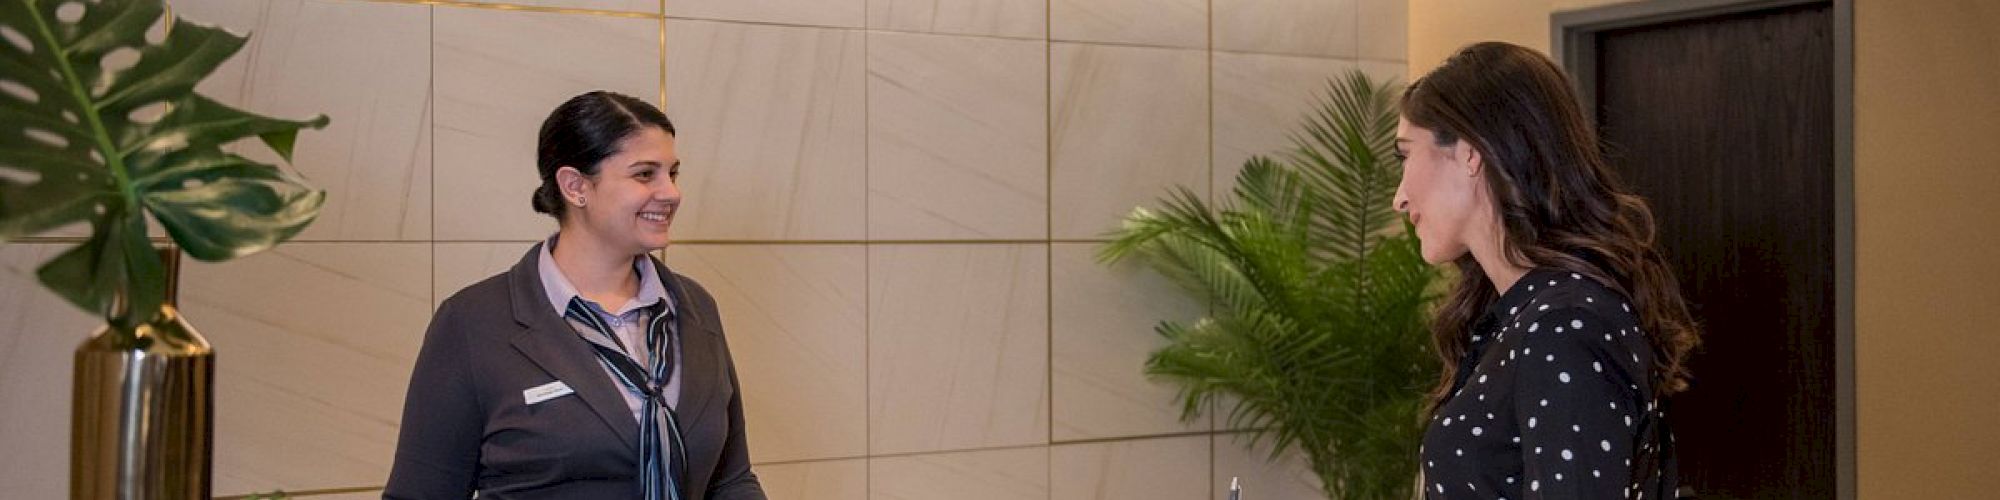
<point>100,125</point>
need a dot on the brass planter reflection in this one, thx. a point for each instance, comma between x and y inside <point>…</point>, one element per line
<point>141,421</point>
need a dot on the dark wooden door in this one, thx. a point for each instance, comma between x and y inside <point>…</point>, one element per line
<point>1725,125</point>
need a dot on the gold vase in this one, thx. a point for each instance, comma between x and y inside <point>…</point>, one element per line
<point>141,421</point>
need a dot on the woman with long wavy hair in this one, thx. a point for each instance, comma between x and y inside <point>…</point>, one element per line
<point>1565,330</point>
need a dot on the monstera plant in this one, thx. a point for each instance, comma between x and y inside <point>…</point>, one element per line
<point>1315,338</point>
<point>100,125</point>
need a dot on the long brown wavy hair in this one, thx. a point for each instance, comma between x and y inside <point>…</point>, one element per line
<point>1560,204</point>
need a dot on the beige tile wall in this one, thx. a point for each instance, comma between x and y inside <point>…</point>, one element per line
<point>958,347</point>
<point>957,138</point>
<point>1100,332</point>
<point>897,204</point>
<point>772,130</point>
<point>313,342</point>
<point>38,334</point>
<point>1126,124</point>
<point>1170,468</point>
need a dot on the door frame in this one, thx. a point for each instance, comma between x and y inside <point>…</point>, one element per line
<point>1573,42</point>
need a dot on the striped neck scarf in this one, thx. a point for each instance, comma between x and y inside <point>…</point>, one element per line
<point>662,456</point>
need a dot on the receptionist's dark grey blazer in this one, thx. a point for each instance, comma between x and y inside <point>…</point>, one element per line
<point>468,427</point>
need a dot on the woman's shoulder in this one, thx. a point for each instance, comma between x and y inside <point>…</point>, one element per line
<point>1569,294</point>
<point>476,311</point>
<point>482,295</point>
<point>1572,316</point>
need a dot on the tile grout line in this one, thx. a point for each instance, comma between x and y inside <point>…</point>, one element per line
<point>977,449</point>
<point>430,15</point>
<point>1211,199</point>
<point>312,492</point>
<point>1210,95</point>
<point>867,266</point>
<point>1049,233</point>
<point>867,457</point>
<point>1049,230</point>
<point>1067,442</point>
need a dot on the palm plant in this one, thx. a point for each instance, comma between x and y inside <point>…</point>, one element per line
<point>1316,335</point>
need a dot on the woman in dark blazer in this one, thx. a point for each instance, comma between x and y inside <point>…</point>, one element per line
<point>588,370</point>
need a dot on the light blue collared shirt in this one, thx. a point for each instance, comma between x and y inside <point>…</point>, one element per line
<point>628,321</point>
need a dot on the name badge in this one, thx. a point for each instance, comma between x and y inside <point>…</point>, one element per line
<point>546,392</point>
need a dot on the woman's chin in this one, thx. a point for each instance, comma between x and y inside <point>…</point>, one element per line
<point>652,236</point>
<point>654,242</point>
<point>1439,257</point>
<point>1429,254</point>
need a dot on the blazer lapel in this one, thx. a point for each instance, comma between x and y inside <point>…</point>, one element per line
<point>553,345</point>
<point>701,355</point>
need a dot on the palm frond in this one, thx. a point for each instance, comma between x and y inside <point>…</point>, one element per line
<point>1316,338</point>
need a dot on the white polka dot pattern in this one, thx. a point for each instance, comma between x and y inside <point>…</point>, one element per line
<point>1560,424</point>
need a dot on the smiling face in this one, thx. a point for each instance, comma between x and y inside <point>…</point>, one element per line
<point>1441,193</point>
<point>629,204</point>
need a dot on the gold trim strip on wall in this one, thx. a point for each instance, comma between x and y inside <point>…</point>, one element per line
<point>527,8</point>
<point>663,55</point>
<point>46,240</point>
<point>882,242</point>
<point>62,239</point>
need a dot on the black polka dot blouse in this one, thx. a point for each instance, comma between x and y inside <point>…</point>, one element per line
<point>1553,400</point>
